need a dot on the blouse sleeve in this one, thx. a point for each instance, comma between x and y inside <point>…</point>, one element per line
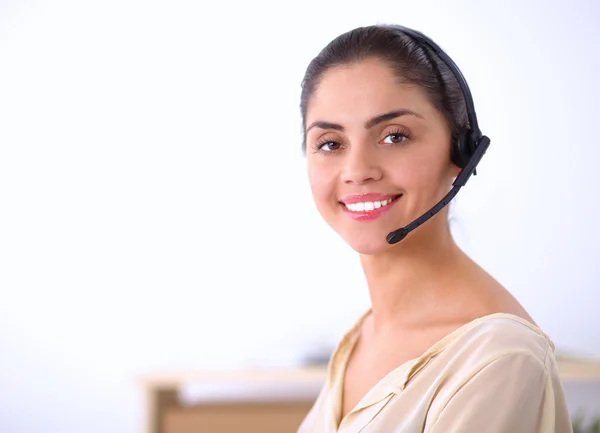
<point>512,394</point>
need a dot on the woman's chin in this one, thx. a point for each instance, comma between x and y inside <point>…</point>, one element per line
<point>368,244</point>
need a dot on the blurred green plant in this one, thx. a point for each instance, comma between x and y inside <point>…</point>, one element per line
<point>580,426</point>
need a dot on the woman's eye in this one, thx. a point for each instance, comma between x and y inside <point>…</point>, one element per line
<point>329,146</point>
<point>395,138</point>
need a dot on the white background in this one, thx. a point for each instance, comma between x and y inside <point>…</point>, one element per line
<point>154,208</point>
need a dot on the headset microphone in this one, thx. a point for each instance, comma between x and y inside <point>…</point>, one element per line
<point>468,147</point>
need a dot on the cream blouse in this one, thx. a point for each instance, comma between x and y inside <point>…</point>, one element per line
<point>496,374</point>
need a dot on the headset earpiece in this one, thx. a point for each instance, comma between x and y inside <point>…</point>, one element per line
<point>463,146</point>
<point>459,152</point>
<point>455,151</point>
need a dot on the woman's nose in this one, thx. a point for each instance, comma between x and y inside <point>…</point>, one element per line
<point>361,166</point>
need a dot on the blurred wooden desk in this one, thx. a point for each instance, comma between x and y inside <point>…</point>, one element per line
<point>270,400</point>
<point>280,409</point>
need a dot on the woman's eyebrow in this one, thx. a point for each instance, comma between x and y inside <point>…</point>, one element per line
<point>370,123</point>
<point>325,125</point>
<point>391,115</point>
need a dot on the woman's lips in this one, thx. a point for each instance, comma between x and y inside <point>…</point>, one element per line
<point>367,207</point>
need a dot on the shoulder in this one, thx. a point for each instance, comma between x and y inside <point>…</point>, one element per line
<point>501,339</point>
<point>499,334</point>
<point>500,365</point>
<point>507,347</point>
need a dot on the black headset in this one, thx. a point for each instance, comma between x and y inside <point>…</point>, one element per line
<point>468,146</point>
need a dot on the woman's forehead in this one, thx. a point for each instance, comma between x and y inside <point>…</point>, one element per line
<point>358,91</point>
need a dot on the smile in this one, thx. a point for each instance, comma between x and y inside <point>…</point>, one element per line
<point>367,210</point>
<point>367,205</point>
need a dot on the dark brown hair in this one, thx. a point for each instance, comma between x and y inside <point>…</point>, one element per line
<point>411,62</point>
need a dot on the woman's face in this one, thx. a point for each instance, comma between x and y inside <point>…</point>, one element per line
<point>378,154</point>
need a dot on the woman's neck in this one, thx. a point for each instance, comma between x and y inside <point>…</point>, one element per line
<point>412,280</point>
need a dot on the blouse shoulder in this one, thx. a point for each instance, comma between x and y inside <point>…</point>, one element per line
<point>500,361</point>
<point>500,340</point>
<point>501,334</point>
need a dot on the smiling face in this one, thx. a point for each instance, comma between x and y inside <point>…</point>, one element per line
<point>378,155</point>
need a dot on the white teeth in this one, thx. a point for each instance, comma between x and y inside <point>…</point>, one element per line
<point>368,205</point>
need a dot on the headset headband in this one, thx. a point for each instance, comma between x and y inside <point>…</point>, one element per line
<point>420,37</point>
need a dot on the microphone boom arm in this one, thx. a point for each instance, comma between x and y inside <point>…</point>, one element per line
<point>459,182</point>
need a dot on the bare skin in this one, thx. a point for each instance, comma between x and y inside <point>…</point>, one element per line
<point>424,287</point>
<point>467,294</point>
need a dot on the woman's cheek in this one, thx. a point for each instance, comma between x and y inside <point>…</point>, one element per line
<point>322,184</point>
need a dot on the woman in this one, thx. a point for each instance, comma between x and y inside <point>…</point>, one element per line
<point>444,347</point>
